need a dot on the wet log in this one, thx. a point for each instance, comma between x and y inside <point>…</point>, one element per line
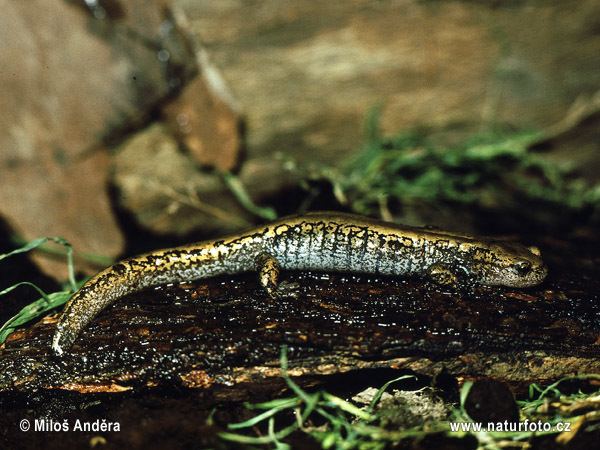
<point>225,331</point>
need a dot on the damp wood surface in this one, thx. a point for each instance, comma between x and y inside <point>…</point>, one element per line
<point>225,331</point>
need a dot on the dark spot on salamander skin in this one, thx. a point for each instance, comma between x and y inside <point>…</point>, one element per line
<point>134,264</point>
<point>350,250</point>
<point>109,277</point>
<point>120,268</point>
<point>365,242</point>
<point>442,243</point>
<point>394,244</point>
<point>336,236</point>
<point>173,254</point>
<point>151,259</point>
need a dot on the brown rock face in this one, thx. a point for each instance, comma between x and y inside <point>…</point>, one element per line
<point>309,78</point>
<point>72,78</point>
<point>54,105</point>
<point>180,198</point>
<point>306,79</point>
<point>204,119</point>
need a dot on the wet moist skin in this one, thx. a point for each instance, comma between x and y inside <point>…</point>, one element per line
<point>315,241</point>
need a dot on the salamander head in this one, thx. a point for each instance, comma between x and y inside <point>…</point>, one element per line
<point>513,265</point>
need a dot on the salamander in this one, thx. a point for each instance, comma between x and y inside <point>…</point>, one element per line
<point>319,241</point>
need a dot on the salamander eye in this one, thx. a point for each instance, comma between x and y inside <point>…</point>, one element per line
<point>522,267</point>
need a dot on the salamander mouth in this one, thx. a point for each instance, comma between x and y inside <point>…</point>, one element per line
<point>509,278</point>
<point>533,278</point>
<point>541,274</point>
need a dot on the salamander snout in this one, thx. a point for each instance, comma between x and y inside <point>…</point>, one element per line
<point>526,273</point>
<point>516,266</point>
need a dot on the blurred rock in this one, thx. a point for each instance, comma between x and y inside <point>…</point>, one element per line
<point>306,73</point>
<point>76,75</point>
<point>577,134</point>
<point>170,195</point>
<point>491,401</point>
<point>305,81</point>
<point>407,409</point>
<point>204,119</point>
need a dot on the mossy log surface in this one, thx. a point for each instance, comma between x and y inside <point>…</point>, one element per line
<point>225,331</point>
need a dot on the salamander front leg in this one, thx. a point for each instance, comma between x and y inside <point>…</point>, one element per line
<point>455,277</point>
<point>268,275</point>
<point>442,275</point>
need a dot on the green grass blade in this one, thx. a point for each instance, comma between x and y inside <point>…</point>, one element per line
<point>25,248</point>
<point>307,398</point>
<point>291,401</point>
<point>383,388</point>
<point>70,263</point>
<point>25,283</point>
<point>32,245</point>
<point>47,302</point>
<point>348,407</point>
<point>278,444</point>
<point>33,311</point>
<point>241,194</point>
<point>243,439</point>
<point>554,386</point>
<point>260,417</point>
<point>98,261</point>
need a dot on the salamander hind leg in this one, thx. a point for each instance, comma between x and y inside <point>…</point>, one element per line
<point>268,276</point>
